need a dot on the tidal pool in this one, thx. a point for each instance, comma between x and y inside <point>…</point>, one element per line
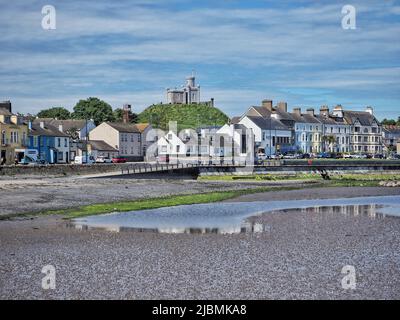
<point>231,218</point>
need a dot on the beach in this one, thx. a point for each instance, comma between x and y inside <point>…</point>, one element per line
<point>300,257</point>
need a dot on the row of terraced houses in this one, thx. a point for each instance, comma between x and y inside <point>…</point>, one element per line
<point>274,129</point>
<point>277,130</point>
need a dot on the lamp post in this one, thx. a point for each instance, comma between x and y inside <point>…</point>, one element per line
<point>270,137</point>
<point>87,139</point>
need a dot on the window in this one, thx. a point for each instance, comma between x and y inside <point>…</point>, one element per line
<point>65,142</point>
<point>170,136</point>
<point>178,148</point>
<point>58,142</point>
<point>60,156</point>
<point>3,137</point>
<point>163,148</point>
<point>132,138</point>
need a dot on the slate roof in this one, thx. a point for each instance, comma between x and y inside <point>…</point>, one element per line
<point>124,127</point>
<point>284,115</point>
<point>235,120</point>
<point>305,118</point>
<point>365,118</point>
<point>66,124</point>
<point>326,120</point>
<point>101,145</point>
<point>263,111</point>
<point>268,124</point>
<point>5,112</point>
<point>392,129</point>
<point>48,130</point>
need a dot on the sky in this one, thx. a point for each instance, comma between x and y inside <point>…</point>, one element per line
<point>241,52</point>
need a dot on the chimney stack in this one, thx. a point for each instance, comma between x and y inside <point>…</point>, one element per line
<point>60,127</point>
<point>370,110</point>
<point>267,104</point>
<point>42,124</point>
<point>297,111</point>
<point>126,113</point>
<point>6,105</point>
<point>311,111</point>
<point>338,111</point>
<point>324,111</point>
<point>282,106</point>
<point>212,102</point>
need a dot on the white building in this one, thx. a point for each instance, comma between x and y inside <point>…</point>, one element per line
<point>271,136</point>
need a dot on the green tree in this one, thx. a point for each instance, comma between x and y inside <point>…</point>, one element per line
<point>328,140</point>
<point>93,108</point>
<point>55,112</point>
<point>389,122</point>
<point>118,115</point>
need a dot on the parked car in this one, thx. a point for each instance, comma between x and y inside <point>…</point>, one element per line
<point>304,156</point>
<point>84,160</point>
<point>31,161</point>
<point>289,156</point>
<point>119,159</point>
<point>347,156</point>
<point>379,156</point>
<point>394,156</point>
<point>324,155</point>
<point>339,155</point>
<point>102,159</point>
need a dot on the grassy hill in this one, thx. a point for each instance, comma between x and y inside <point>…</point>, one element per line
<point>187,116</point>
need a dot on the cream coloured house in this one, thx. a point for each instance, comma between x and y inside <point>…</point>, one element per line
<point>127,138</point>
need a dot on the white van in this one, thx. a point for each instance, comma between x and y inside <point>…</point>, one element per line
<point>82,159</point>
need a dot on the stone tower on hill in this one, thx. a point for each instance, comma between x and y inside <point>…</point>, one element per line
<point>187,94</point>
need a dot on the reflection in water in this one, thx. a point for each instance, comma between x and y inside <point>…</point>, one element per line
<point>206,224</point>
<point>245,227</point>
<point>366,210</point>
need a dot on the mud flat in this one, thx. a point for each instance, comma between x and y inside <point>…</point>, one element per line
<point>300,255</point>
<point>33,194</point>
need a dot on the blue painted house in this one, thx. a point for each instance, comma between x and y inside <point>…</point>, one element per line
<point>52,144</point>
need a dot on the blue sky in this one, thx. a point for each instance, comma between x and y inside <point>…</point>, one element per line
<point>241,51</point>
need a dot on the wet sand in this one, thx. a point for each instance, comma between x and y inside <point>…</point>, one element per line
<point>67,192</point>
<point>300,257</point>
<point>319,193</point>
